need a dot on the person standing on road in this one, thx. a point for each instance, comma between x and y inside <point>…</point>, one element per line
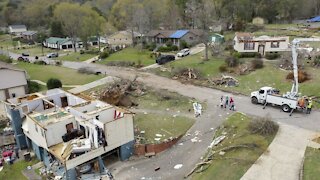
<point>231,104</point>
<point>309,107</point>
<point>221,102</point>
<point>226,102</point>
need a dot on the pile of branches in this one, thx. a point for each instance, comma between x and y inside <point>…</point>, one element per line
<point>302,76</point>
<point>186,73</point>
<point>263,126</point>
<point>224,80</point>
<point>118,92</point>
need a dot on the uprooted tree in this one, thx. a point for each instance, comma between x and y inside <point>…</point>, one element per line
<point>118,92</point>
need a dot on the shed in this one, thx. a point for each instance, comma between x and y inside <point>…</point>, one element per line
<point>217,38</point>
<point>258,21</point>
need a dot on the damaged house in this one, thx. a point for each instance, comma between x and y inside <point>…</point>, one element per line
<point>66,131</point>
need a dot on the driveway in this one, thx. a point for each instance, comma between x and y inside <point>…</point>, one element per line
<point>189,154</point>
<point>194,50</point>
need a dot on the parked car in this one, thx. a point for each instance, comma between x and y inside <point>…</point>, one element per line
<point>183,52</point>
<point>164,59</point>
<point>25,54</point>
<point>52,55</point>
<point>24,59</point>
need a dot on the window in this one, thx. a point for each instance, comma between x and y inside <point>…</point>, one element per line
<point>191,38</point>
<point>275,44</point>
<point>249,46</point>
<point>42,132</point>
<point>13,95</point>
<point>261,91</point>
<point>36,127</point>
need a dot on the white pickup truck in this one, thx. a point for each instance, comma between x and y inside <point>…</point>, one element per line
<point>269,95</point>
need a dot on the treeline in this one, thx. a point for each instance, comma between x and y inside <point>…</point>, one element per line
<point>143,15</point>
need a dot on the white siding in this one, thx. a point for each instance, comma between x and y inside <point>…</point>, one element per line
<point>2,95</point>
<point>119,131</point>
<point>18,91</point>
<point>12,78</point>
<point>55,131</point>
<point>33,131</point>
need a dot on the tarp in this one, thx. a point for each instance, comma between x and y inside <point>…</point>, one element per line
<point>315,19</point>
<point>179,34</point>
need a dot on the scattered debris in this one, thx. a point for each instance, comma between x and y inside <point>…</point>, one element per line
<point>186,73</point>
<point>178,166</point>
<point>157,168</point>
<point>157,139</point>
<point>142,132</point>
<point>180,144</point>
<point>216,141</point>
<point>195,139</point>
<point>158,135</point>
<point>224,80</point>
<point>221,153</point>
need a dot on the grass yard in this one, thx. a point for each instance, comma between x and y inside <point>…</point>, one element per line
<point>131,55</point>
<point>76,56</point>
<point>234,163</point>
<point>66,75</point>
<point>34,50</point>
<point>311,169</point>
<point>14,171</point>
<point>166,125</point>
<point>5,41</point>
<point>162,100</point>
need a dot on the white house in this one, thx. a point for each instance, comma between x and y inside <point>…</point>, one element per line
<point>60,43</point>
<point>61,127</point>
<point>13,83</point>
<point>17,29</point>
<point>247,42</point>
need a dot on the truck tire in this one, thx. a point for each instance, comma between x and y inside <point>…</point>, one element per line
<point>286,108</point>
<point>254,100</point>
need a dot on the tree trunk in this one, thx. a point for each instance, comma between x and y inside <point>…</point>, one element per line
<point>206,52</point>
<point>74,42</point>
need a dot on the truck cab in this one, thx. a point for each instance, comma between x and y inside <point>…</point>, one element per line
<point>259,97</point>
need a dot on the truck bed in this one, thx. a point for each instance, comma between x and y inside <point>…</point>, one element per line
<point>280,100</point>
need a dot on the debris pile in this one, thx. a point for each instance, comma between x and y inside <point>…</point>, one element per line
<point>118,92</point>
<point>224,80</point>
<point>186,74</point>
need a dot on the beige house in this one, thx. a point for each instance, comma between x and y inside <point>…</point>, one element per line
<point>13,83</point>
<point>247,42</point>
<point>122,39</point>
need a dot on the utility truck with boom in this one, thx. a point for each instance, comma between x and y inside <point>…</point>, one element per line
<point>291,100</point>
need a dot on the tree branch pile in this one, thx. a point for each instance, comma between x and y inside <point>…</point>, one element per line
<point>224,80</point>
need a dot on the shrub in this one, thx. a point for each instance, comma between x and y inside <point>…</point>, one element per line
<point>81,51</point>
<point>263,126</point>
<point>272,56</point>
<point>164,49</point>
<point>302,76</point>
<point>169,43</point>
<point>257,64</point>
<point>33,87</point>
<point>316,61</point>
<point>104,55</point>
<point>151,46</point>
<point>5,58</point>
<point>40,62</point>
<point>54,83</point>
<point>232,61</point>
<point>246,55</point>
<point>223,68</point>
<point>86,70</point>
<point>183,44</point>
<point>174,48</point>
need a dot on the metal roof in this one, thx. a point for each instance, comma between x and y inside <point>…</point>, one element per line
<point>29,33</point>
<point>315,19</point>
<point>56,40</point>
<point>18,26</point>
<point>179,34</point>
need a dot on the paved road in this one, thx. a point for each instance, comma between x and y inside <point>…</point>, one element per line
<point>189,153</point>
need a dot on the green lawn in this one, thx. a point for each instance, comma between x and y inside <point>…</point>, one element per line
<point>5,41</point>
<point>14,171</point>
<point>76,56</point>
<point>166,125</point>
<point>234,163</point>
<point>131,55</point>
<point>66,75</point>
<point>311,169</point>
<point>162,100</point>
<point>34,50</point>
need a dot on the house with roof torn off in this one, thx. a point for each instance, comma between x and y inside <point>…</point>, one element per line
<point>67,132</point>
<point>247,42</point>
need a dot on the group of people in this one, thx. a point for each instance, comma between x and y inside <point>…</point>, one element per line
<point>227,102</point>
<point>306,103</point>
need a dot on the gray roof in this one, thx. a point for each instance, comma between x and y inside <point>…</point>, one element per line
<point>12,78</point>
<point>18,26</point>
<point>29,33</point>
